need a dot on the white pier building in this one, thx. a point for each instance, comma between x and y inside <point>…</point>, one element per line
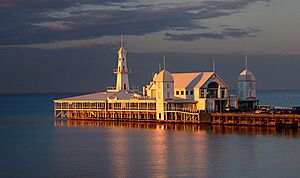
<point>168,97</point>
<point>247,90</point>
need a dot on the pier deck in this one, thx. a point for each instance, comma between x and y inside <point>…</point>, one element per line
<point>251,119</point>
<point>145,110</point>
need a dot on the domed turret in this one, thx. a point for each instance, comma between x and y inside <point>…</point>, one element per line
<point>247,90</point>
<point>246,75</point>
<point>164,76</point>
<point>164,92</point>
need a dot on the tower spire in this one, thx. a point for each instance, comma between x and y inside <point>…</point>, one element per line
<point>214,66</point>
<point>122,70</point>
<point>246,62</point>
<point>122,40</point>
<point>164,58</point>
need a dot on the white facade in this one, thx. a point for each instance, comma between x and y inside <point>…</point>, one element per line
<point>122,70</point>
<point>164,84</point>
<point>246,86</point>
<point>207,89</point>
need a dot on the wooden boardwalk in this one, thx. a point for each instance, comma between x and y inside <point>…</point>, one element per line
<point>179,116</point>
<point>251,119</point>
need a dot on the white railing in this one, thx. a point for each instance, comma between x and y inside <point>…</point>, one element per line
<point>181,109</point>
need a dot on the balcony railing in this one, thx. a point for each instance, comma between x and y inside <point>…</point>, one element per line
<point>111,88</point>
<point>122,70</point>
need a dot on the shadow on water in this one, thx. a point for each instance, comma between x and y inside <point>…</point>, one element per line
<point>210,129</point>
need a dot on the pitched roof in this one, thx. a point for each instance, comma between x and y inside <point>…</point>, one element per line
<point>119,95</point>
<point>122,50</point>
<point>191,80</point>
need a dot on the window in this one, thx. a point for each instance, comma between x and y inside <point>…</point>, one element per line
<point>186,92</point>
<point>250,85</point>
<point>159,115</point>
<point>202,93</point>
<point>241,85</point>
<point>182,92</point>
<point>242,94</point>
<point>168,95</point>
<point>168,85</point>
<point>177,92</point>
<point>191,92</point>
<point>222,93</point>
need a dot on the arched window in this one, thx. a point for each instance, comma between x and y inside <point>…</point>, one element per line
<point>213,85</point>
<point>212,90</point>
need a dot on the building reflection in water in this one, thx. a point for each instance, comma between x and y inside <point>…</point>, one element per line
<point>118,155</point>
<point>168,150</point>
<point>159,152</point>
<point>215,129</point>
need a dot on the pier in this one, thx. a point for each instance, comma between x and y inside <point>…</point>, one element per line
<point>146,112</point>
<point>127,111</point>
<point>251,119</point>
<point>187,98</point>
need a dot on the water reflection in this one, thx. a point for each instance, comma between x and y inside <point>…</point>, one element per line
<point>159,153</point>
<point>246,130</point>
<point>119,152</point>
<point>215,129</point>
<point>127,149</point>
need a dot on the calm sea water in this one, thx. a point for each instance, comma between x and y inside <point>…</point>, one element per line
<point>32,144</point>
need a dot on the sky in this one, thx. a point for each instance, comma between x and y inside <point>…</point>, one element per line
<point>70,46</point>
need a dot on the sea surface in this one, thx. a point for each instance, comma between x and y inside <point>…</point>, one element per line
<point>33,144</point>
